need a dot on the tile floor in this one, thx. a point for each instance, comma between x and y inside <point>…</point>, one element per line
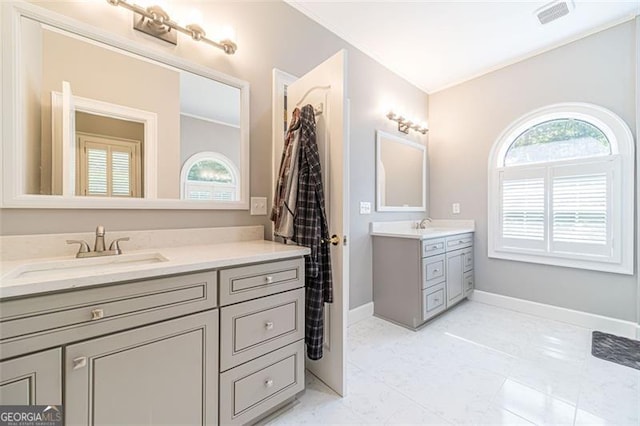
<point>476,364</point>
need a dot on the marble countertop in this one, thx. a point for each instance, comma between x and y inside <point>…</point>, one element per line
<point>182,259</point>
<point>435,229</point>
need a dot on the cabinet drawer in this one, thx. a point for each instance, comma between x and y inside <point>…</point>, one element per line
<point>250,390</point>
<point>94,306</point>
<point>250,282</point>
<point>459,241</point>
<point>432,247</point>
<point>467,259</point>
<point>251,329</point>
<point>468,282</point>
<point>433,270</point>
<point>433,301</point>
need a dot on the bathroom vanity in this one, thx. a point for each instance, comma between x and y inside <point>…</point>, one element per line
<point>214,333</point>
<point>419,273</point>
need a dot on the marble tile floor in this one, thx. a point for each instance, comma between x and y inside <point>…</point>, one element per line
<point>476,364</point>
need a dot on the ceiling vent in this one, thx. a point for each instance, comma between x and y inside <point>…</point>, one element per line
<point>554,10</point>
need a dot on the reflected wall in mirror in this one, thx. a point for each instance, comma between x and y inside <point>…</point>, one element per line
<point>401,169</point>
<point>100,122</point>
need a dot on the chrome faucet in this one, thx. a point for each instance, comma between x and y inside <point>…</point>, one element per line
<point>423,223</point>
<point>99,248</point>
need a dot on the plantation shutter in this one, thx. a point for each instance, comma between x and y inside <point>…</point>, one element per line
<point>581,209</point>
<point>97,180</point>
<point>522,212</point>
<point>121,173</point>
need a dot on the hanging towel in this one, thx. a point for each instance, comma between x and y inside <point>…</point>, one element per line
<point>284,199</point>
<point>311,231</point>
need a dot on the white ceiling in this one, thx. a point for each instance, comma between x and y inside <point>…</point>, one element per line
<point>209,99</point>
<point>436,44</point>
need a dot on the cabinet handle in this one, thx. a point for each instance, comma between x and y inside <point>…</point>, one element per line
<point>436,300</point>
<point>268,383</point>
<point>434,247</point>
<point>269,279</point>
<point>79,362</point>
<point>97,314</point>
<point>460,242</point>
<point>436,270</point>
<point>268,325</point>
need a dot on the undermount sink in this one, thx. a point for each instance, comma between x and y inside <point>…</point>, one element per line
<point>53,268</point>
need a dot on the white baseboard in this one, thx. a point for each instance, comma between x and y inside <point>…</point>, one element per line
<point>360,313</point>
<point>583,319</point>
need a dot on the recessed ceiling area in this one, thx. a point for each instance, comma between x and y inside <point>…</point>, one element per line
<point>437,44</point>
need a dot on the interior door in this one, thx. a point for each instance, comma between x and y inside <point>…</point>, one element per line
<point>324,88</point>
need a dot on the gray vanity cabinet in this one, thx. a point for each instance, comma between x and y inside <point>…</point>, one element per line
<point>414,280</point>
<point>261,339</point>
<point>163,373</point>
<point>34,379</point>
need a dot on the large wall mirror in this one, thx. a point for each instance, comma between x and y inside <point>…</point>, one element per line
<point>96,121</point>
<point>401,174</point>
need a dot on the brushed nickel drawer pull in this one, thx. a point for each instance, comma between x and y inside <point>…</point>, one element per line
<point>268,383</point>
<point>79,362</point>
<point>269,279</point>
<point>268,325</point>
<point>97,314</point>
<point>436,270</point>
<point>434,247</point>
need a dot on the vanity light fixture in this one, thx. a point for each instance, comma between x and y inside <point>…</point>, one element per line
<point>153,20</point>
<point>404,124</point>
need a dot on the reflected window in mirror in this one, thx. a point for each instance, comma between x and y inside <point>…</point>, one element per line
<point>209,176</point>
<point>108,167</point>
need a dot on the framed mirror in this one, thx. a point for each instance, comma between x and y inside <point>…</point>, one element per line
<point>401,174</point>
<point>91,120</point>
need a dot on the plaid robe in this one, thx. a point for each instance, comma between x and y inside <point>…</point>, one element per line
<point>311,230</point>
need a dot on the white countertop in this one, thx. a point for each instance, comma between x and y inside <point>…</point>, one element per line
<point>182,259</point>
<point>434,229</point>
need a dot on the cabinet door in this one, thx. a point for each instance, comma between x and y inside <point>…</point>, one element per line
<point>455,282</point>
<point>166,373</point>
<point>32,379</point>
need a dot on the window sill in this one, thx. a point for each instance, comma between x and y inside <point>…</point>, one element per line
<point>625,268</point>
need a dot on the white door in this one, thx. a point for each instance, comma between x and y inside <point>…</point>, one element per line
<point>324,88</point>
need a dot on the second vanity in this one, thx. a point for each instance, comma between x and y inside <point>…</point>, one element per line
<point>419,273</point>
<point>214,333</point>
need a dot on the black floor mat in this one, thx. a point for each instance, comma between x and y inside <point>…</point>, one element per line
<point>616,349</point>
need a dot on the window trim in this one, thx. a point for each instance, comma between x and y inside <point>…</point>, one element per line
<point>209,155</point>
<point>622,150</point>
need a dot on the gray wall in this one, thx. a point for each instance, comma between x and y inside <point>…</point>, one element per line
<point>465,122</point>
<point>270,34</point>
<point>200,135</point>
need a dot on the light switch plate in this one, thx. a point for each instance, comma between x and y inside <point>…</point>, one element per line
<point>258,206</point>
<point>365,207</point>
<point>455,208</point>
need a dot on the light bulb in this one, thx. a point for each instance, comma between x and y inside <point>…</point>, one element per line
<point>226,32</point>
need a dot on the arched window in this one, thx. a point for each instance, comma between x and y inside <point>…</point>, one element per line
<point>209,176</point>
<point>561,189</point>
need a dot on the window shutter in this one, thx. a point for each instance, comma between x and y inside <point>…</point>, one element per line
<point>120,173</point>
<point>581,209</point>
<point>96,171</point>
<point>522,212</point>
